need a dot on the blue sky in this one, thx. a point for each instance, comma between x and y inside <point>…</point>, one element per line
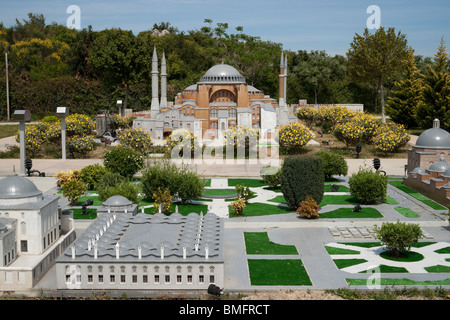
<point>328,25</point>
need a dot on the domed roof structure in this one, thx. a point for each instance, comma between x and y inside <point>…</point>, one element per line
<point>117,201</point>
<point>222,73</point>
<point>14,187</point>
<point>439,166</point>
<point>434,137</point>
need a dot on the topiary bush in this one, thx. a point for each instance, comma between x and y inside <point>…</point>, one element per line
<point>398,237</point>
<point>238,207</point>
<point>333,164</point>
<point>302,176</point>
<point>293,136</point>
<point>390,137</point>
<point>368,186</point>
<point>73,189</point>
<point>123,160</point>
<point>307,114</point>
<point>138,139</point>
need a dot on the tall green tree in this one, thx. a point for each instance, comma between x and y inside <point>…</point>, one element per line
<point>401,106</point>
<point>377,58</point>
<point>117,59</point>
<point>435,98</point>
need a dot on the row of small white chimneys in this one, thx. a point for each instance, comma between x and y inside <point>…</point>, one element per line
<point>93,242</point>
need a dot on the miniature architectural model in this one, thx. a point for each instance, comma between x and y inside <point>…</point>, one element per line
<point>122,251</point>
<point>221,99</point>
<point>427,170</point>
<point>32,233</point>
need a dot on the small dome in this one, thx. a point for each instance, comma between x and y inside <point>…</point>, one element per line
<point>418,170</point>
<point>434,137</point>
<point>446,174</point>
<point>439,166</point>
<point>14,187</point>
<point>117,201</point>
<point>222,73</point>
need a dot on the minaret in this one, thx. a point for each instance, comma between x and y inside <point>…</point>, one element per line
<point>163,103</point>
<point>154,108</point>
<point>281,90</point>
<point>285,78</point>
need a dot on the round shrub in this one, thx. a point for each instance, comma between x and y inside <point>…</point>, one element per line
<point>349,132</point>
<point>368,124</point>
<point>308,208</point>
<point>398,237</point>
<point>390,138</point>
<point>138,139</point>
<point>92,174</point>
<point>82,144</point>
<point>333,164</point>
<point>334,115</point>
<point>126,189</point>
<point>368,186</point>
<point>123,160</point>
<point>238,207</point>
<point>73,189</point>
<point>79,124</point>
<point>302,176</point>
<point>271,176</point>
<point>294,135</point>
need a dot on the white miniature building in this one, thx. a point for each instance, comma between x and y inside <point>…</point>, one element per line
<point>31,237</point>
<point>145,252</point>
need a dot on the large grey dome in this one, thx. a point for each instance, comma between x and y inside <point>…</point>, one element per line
<point>222,73</point>
<point>17,187</point>
<point>434,138</point>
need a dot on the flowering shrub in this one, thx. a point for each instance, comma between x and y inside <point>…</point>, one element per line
<point>122,122</point>
<point>64,176</point>
<point>138,139</point>
<point>390,138</point>
<point>79,124</point>
<point>163,199</point>
<point>334,114</point>
<point>350,132</point>
<point>307,114</point>
<point>123,160</point>
<point>73,189</point>
<point>238,207</point>
<point>83,144</point>
<point>294,135</point>
<point>368,124</point>
<point>240,137</point>
<point>182,139</point>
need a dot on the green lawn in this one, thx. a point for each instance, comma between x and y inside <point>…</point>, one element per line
<point>9,130</point>
<point>219,192</point>
<point>406,212</point>
<point>284,272</point>
<point>96,200</point>
<point>400,282</point>
<point>259,243</point>
<point>365,212</point>
<point>260,209</point>
<point>91,213</point>
<point>252,183</point>
<point>399,184</point>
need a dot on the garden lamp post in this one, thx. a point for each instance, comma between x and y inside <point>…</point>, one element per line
<point>119,105</point>
<point>63,112</point>
<point>7,79</point>
<point>22,116</point>
<point>358,149</point>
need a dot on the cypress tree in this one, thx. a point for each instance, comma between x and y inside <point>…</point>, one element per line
<point>302,176</point>
<point>435,97</point>
<point>406,95</point>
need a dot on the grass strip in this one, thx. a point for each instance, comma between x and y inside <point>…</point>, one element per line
<point>418,196</point>
<point>406,212</point>
<point>91,214</point>
<point>259,243</point>
<point>284,272</point>
<point>252,183</point>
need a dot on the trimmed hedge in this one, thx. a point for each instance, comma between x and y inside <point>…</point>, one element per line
<point>301,176</point>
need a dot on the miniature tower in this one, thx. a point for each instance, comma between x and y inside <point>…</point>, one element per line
<point>154,108</point>
<point>163,103</point>
<point>285,79</point>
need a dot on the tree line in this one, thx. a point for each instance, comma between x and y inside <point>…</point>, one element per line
<point>51,65</point>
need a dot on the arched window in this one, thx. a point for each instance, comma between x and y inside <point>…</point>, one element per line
<point>213,113</point>
<point>214,125</point>
<point>232,113</point>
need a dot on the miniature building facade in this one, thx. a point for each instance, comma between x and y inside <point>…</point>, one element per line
<point>30,233</point>
<point>428,170</point>
<point>221,99</point>
<point>147,252</point>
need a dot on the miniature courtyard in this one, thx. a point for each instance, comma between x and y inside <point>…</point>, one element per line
<point>271,247</point>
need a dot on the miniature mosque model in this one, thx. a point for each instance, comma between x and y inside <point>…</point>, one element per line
<point>428,170</point>
<point>220,100</point>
